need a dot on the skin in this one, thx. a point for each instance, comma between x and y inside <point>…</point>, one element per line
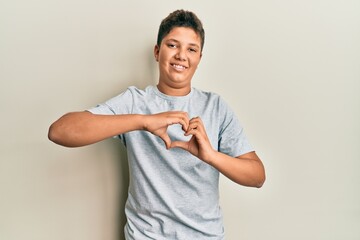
<point>178,56</point>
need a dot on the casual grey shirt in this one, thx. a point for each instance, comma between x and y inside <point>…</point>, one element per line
<point>173,194</point>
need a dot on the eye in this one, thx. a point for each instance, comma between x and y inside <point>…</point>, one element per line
<point>192,50</point>
<point>171,45</point>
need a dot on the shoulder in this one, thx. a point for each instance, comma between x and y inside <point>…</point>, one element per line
<point>127,97</point>
<point>206,95</point>
<point>136,92</point>
<point>211,98</point>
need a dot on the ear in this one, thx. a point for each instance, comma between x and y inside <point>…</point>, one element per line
<point>156,52</point>
<point>199,60</point>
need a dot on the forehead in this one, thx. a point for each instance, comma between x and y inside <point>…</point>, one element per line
<point>183,35</point>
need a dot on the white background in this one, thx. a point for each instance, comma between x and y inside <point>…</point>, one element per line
<point>289,69</point>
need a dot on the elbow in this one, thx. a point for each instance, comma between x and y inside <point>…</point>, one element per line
<point>54,134</point>
<point>261,177</point>
<point>58,134</point>
<point>260,182</point>
<point>68,131</point>
<point>62,132</point>
<point>255,181</point>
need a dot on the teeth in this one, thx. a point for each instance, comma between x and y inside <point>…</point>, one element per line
<point>178,66</point>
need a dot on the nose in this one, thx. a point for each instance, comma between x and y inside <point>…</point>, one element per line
<point>181,54</point>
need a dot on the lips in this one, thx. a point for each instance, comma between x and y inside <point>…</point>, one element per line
<point>178,66</point>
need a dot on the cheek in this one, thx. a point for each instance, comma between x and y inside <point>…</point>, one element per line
<point>195,63</point>
<point>163,58</point>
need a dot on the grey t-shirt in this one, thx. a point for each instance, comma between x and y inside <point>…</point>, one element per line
<point>172,194</point>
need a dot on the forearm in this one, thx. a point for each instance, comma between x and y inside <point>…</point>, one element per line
<point>83,128</point>
<point>246,170</point>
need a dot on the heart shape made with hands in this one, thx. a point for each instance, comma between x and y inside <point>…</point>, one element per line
<point>175,136</point>
<point>194,139</point>
<point>176,133</point>
<point>176,130</point>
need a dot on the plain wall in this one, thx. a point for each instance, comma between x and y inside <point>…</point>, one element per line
<point>289,69</point>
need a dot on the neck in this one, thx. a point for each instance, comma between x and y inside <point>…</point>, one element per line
<point>172,91</point>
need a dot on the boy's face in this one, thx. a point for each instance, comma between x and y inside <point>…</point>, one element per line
<point>178,55</point>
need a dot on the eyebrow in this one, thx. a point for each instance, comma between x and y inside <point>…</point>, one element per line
<point>191,44</point>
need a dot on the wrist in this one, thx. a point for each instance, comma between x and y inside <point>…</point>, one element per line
<point>143,121</point>
<point>211,157</point>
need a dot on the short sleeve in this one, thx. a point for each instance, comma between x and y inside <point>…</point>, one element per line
<point>121,104</point>
<point>232,138</point>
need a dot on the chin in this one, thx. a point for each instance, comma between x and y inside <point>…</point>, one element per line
<point>180,83</point>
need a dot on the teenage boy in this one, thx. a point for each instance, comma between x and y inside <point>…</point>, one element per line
<point>178,139</point>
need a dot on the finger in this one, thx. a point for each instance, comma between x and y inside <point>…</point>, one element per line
<point>166,140</point>
<point>185,121</point>
<point>191,131</point>
<point>196,124</point>
<point>179,144</point>
<point>180,118</point>
<point>200,138</point>
<point>196,120</point>
<point>193,125</point>
<point>184,124</point>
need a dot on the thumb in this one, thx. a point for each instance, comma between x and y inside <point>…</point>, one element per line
<point>166,140</point>
<point>179,144</point>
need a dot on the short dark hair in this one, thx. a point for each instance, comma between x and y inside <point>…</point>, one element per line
<point>181,18</point>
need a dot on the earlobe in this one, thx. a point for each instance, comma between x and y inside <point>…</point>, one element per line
<point>156,52</point>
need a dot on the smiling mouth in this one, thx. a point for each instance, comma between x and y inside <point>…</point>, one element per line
<point>178,67</point>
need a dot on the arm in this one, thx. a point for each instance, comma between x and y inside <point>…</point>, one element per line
<point>246,169</point>
<point>78,129</point>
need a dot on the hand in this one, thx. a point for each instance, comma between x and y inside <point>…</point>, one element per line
<point>157,124</point>
<point>199,144</point>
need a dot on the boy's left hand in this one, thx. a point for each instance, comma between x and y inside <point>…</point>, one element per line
<point>199,144</point>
